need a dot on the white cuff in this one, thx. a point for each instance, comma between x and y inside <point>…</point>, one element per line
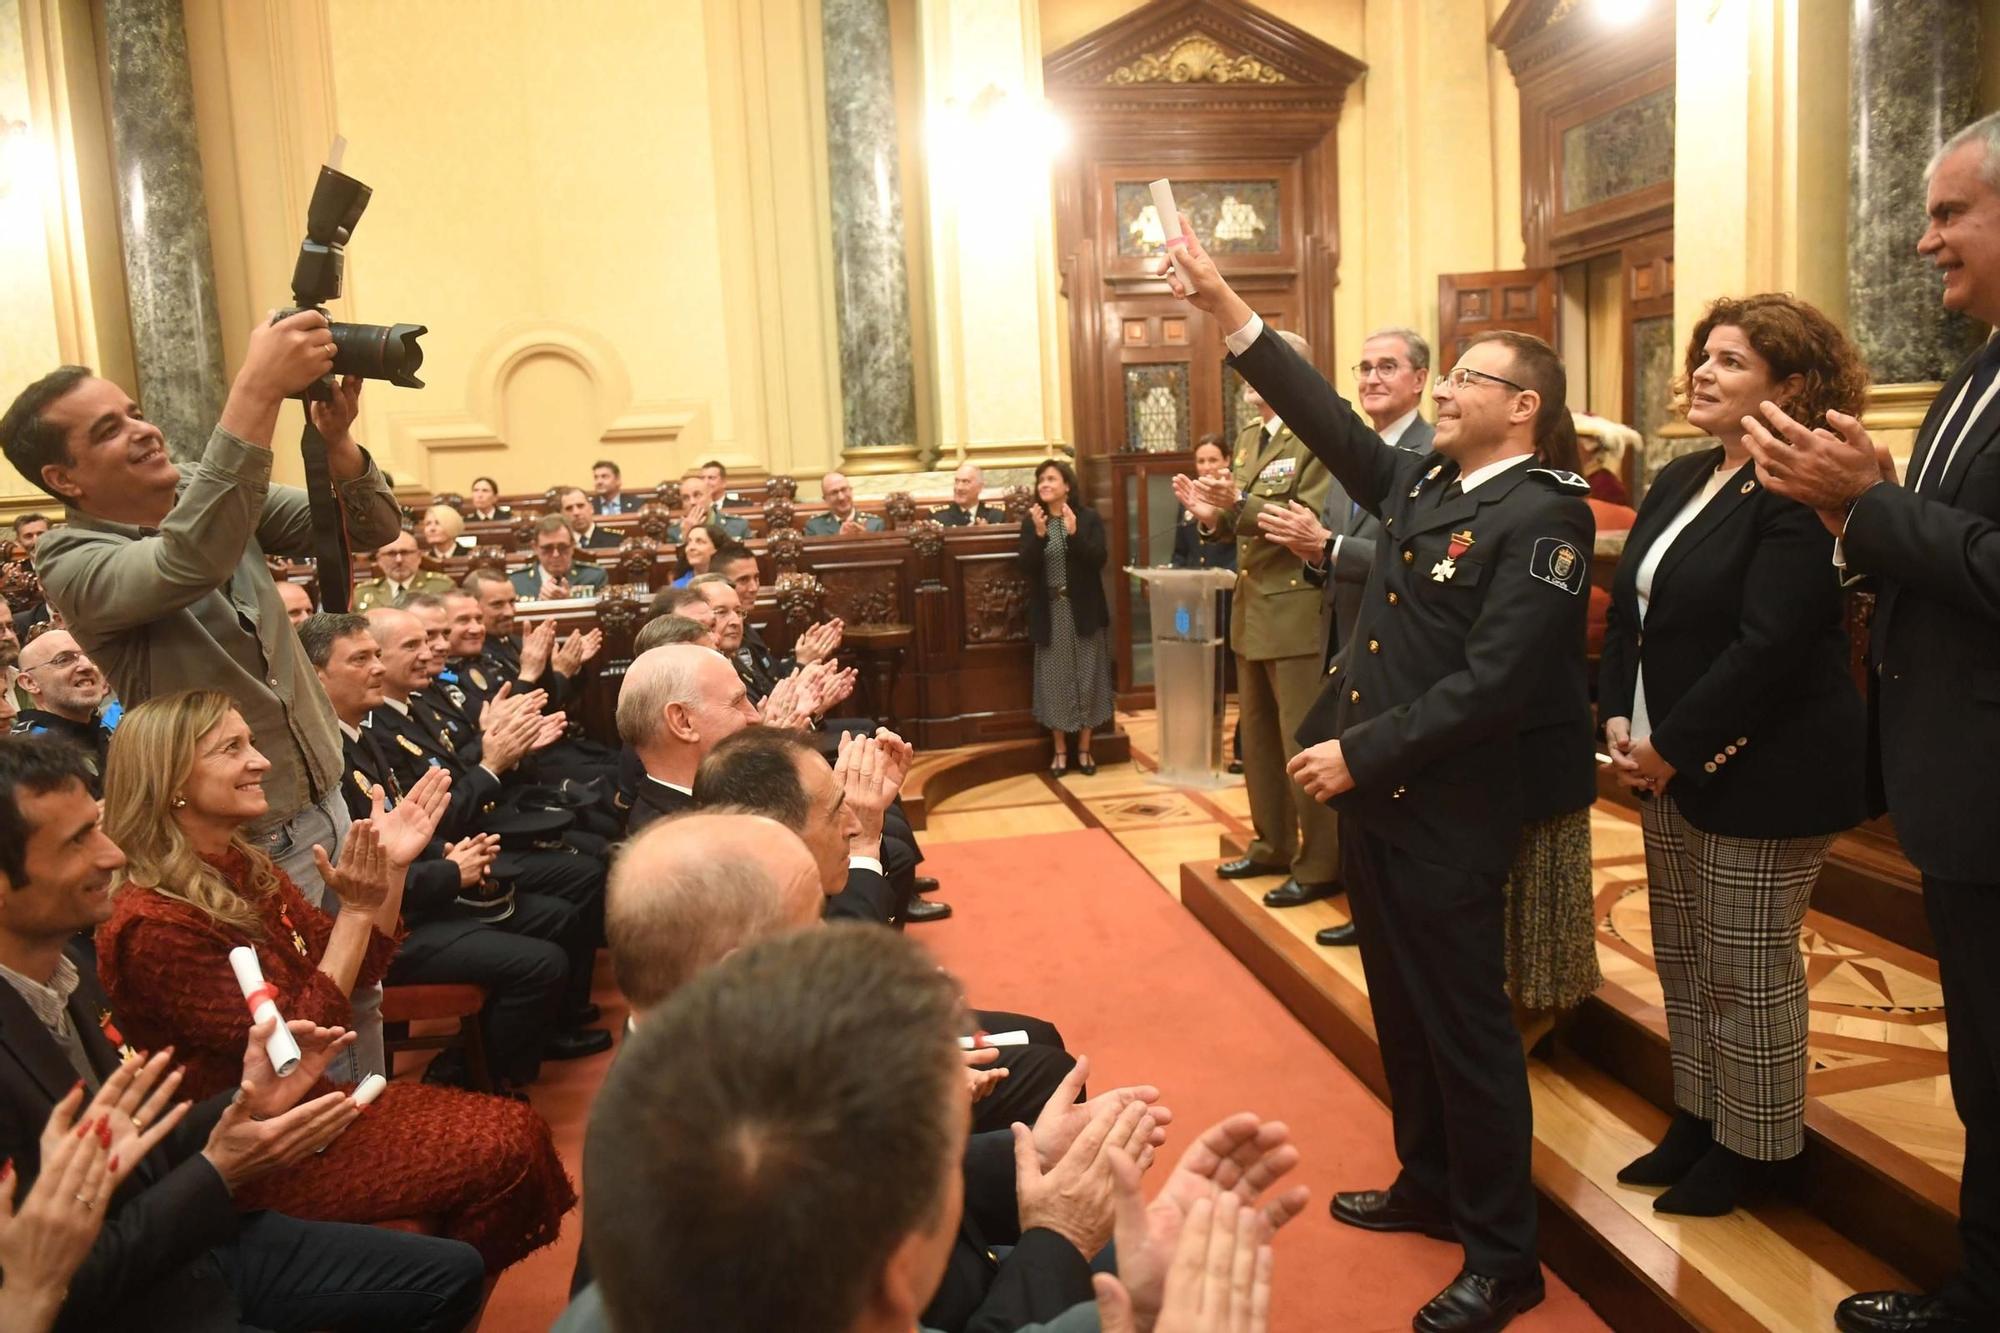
<point>865,863</point>
<point>1333,556</point>
<point>1239,342</point>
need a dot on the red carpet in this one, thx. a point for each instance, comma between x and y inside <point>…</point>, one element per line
<point>1067,926</point>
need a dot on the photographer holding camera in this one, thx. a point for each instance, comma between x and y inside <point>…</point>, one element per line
<point>161,577</point>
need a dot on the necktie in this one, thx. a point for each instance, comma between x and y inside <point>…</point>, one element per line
<point>1959,422</point>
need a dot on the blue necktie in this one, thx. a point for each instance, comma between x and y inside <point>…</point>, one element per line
<point>1959,422</point>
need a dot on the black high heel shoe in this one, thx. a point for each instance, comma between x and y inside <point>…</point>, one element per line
<point>1086,765</point>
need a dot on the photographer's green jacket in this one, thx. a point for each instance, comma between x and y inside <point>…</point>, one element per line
<point>191,605</point>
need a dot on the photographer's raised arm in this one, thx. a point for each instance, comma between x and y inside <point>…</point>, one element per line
<point>100,571</point>
<point>373,518</point>
<point>1325,422</point>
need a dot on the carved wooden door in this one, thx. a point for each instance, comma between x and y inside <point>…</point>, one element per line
<point>1514,300</point>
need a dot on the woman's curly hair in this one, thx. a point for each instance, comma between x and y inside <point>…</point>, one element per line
<point>1794,338</point>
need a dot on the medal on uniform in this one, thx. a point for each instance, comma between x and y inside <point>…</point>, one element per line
<point>1435,469</point>
<point>1457,547</point>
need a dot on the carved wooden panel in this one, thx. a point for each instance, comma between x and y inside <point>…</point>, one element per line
<point>996,600</point>
<point>864,595</point>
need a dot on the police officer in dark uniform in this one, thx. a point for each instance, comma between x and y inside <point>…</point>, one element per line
<point>1482,573</point>
<point>466,922</point>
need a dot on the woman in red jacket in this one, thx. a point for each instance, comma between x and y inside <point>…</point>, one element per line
<point>181,781</point>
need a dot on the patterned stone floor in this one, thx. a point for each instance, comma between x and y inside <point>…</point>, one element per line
<point>1877,1043</point>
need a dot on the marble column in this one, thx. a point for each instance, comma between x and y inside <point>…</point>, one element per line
<point>1913,81</point>
<point>871,278</point>
<point>163,222</point>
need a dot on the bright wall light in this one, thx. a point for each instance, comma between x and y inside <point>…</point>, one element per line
<point>1620,13</point>
<point>995,132</point>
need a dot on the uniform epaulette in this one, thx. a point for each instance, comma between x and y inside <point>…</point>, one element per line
<point>1568,481</point>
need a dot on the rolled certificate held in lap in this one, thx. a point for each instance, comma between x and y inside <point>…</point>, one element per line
<point>262,997</point>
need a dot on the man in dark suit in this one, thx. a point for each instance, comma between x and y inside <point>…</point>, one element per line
<point>590,535</point>
<point>701,502</point>
<point>606,498</point>
<point>174,1254</point>
<point>1338,546</point>
<point>966,484</point>
<point>1483,566</point>
<point>1930,551</point>
<point>675,705</point>
<point>556,575</point>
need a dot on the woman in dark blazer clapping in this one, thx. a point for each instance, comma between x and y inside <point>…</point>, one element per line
<point>1062,553</point>
<point>1727,701</point>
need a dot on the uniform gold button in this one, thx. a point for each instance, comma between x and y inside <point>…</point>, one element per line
<point>1392,599</point>
<point>1729,749</point>
<point>1409,557</point>
<point>1374,645</point>
<point>1742,740</point>
<point>1354,696</point>
<point>1708,767</point>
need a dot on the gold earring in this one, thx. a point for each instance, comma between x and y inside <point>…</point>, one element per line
<point>179,801</point>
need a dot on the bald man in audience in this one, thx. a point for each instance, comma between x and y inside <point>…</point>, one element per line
<point>402,573</point>
<point>841,518</point>
<point>66,697</point>
<point>699,888</point>
<point>701,503</point>
<point>298,602</point>
<point>967,484</point>
<point>676,704</point>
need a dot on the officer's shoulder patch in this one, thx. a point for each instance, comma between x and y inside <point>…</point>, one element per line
<point>1567,481</point>
<point>1557,560</point>
<point>361,781</point>
<point>409,745</point>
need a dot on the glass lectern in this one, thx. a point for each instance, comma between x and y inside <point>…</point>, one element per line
<point>1187,671</point>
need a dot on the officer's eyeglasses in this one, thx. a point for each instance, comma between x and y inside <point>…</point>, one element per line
<point>1379,369</point>
<point>60,662</point>
<point>1463,376</point>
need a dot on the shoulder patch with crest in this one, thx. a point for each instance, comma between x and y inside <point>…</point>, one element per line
<point>1567,481</point>
<point>410,745</point>
<point>1557,560</point>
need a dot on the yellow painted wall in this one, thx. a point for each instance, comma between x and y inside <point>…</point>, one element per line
<point>611,214</point>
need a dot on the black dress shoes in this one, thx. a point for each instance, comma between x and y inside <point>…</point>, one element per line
<point>1294,894</point>
<point>1900,1312</point>
<point>920,911</point>
<point>1475,1303</point>
<point>1380,1210</point>
<point>1335,937</point>
<point>583,1017</point>
<point>1235,767</point>
<point>576,1044</point>
<point>1244,868</point>
<point>923,884</point>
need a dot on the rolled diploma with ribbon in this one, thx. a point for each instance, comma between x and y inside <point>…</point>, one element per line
<point>262,997</point>
<point>369,1089</point>
<point>1170,221</point>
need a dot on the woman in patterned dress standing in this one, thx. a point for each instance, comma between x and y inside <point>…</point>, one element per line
<point>1063,552</point>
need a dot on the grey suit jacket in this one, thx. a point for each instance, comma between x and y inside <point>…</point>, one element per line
<point>1350,552</point>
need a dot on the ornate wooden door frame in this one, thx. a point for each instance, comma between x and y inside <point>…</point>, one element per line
<point>1188,81</point>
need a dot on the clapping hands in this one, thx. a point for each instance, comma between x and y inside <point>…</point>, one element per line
<point>1197,1259</point>
<point>1296,528</point>
<point>819,642</point>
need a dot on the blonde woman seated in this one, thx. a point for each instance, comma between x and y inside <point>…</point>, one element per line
<point>182,780</point>
<point>441,529</point>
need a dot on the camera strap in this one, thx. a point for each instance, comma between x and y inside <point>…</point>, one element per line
<point>330,548</point>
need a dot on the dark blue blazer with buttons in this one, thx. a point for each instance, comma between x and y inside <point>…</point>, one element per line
<point>1745,652</point>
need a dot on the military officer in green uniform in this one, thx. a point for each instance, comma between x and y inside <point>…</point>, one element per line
<point>1274,629</point>
<point>401,569</point>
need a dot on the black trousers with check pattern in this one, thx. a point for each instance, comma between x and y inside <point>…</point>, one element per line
<point>1726,916</point>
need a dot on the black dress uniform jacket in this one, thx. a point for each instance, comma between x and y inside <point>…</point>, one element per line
<point>956,515</point>
<point>1745,652</point>
<point>1473,597</point>
<point>430,892</point>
